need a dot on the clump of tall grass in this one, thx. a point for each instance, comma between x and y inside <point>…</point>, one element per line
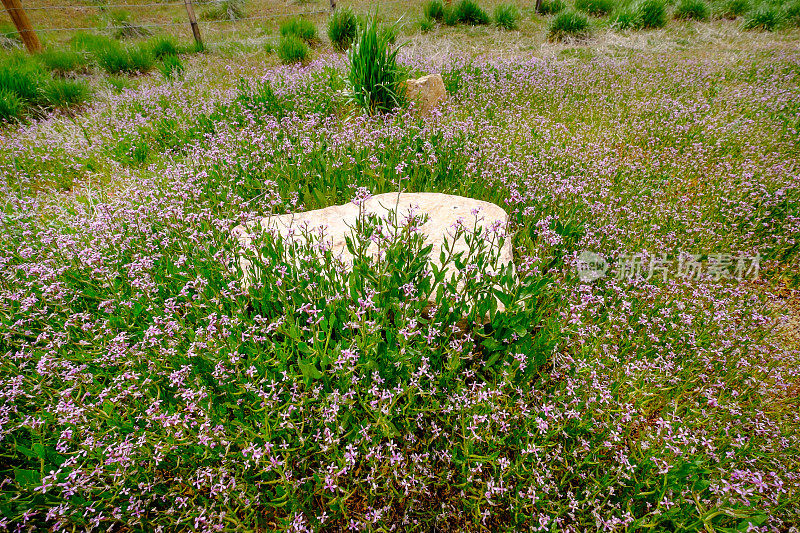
<point>433,10</point>
<point>171,67</point>
<point>116,59</point>
<point>506,16</point>
<point>163,46</point>
<point>62,94</point>
<point>122,25</point>
<point>374,76</point>
<point>11,106</point>
<point>552,7</point>
<point>651,13</point>
<point>301,28</point>
<point>293,49</point>
<point>691,10</point>
<point>62,62</point>
<point>791,13</point>
<point>469,12</point>
<point>731,9</point>
<point>764,18</point>
<point>568,24</point>
<point>597,8</point>
<point>342,28</point>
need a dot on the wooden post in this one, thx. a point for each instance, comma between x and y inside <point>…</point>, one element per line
<point>333,6</point>
<point>23,25</point>
<point>538,6</point>
<point>193,23</point>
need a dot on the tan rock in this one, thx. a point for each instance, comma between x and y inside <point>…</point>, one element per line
<point>427,91</point>
<point>443,215</point>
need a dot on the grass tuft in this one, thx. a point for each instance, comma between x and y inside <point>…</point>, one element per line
<point>763,18</point>
<point>171,68</point>
<point>731,9</point>
<point>342,28</point>
<point>552,7</point>
<point>568,24</point>
<point>506,16</point>
<point>62,94</point>
<point>63,62</point>
<point>163,46</point>
<point>433,10</point>
<point>11,106</point>
<point>469,12</point>
<point>651,14</point>
<point>117,59</point>
<point>226,10</point>
<point>374,75</point>
<point>301,28</point>
<point>691,10</point>
<point>597,8</point>
<point>293,49</point>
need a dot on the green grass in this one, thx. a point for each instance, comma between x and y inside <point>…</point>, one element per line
<point>763,18</point>
<point>506,16</point>
<point>552,7</point>
<point>433,10</point>
<point>374,75</point>
<point>567,24</point>
<point>64,61</point>
<point>342,28</point>
<point>163,46</point>
<point>301,28</point>
<point>691,10</point>
<point>293,49</point>
<point>63,94</point>
<point>470,12</point>
<point>597,8</point>
<point>11,106</point>
<point>225,10</point>
<point>116,59</point>
<point>651,13</point>
<point>171,68</point>
<point>731,9</point>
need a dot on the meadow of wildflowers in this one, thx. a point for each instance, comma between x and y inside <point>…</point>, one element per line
<point>143,388</point>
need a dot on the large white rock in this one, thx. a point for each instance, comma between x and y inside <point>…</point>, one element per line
<point>444,213</point>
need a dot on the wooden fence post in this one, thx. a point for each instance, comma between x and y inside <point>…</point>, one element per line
<point>193,23</point>
<point>23,25</point>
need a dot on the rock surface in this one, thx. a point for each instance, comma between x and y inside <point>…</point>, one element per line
<point>428,91</point>
<point>443,212</point>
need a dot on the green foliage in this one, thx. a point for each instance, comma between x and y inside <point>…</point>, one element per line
<point>301,28</point>
<point>506,16</point>
<point>11,106</point>
<point>116,59</point>
<point>651,13</point>
<point>552,7</point>
<point>763,18</point>
<point>342,28</point>
<point>731,9</point>
<point>374,76</point>
<point>469,12</point>
<point>791,13</point>
<point>172,67</point>
<point>597,8</point>
<point>163,46</point>
<point>119,83</point>
<point>426,25</point>
<point>627,18</point>
<point>568,24</point>
<point>226,10</point>
<point>450,17</point>
<point>62,94</point>
<point>691,10</point>
<point>293,49</point>
<point>90,42</point>
<point>24,77</point>
<point>63,62</point>
<point>433,10</point>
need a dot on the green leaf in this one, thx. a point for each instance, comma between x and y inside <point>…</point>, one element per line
<point>27,478</point>
<point>309,370</point>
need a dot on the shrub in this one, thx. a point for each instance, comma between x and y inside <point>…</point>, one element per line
<point>551,7</point>
<point>374,77</point>
<point>764,18</point>
<point>117,59</point>
<point>506,16</point>
<point>62,62</point>
<point>62,94</point>
<point>11,106</point>
<point>226,10</point>
<point>342,28</point>
<point>301,28</point>
<point>162,47</point>
<point>598,8</point>
<point>730,9</point>
<point>469,12</point>
<point>651,13</point>
<point>171,67</point>
<point>433,10</point>
<point>691,10</point>
<point>568,24</point>
<point>292,49</point>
